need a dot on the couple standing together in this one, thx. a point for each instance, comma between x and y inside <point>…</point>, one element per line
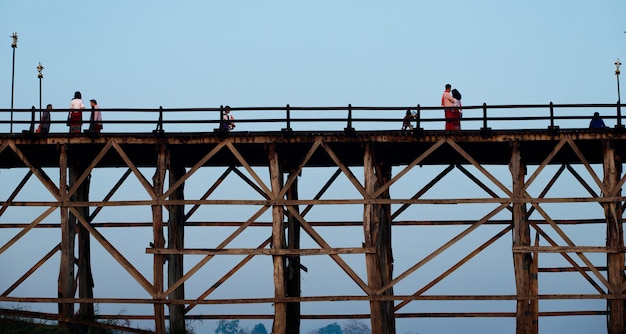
<point>452,98</point>
<point>75,116</point>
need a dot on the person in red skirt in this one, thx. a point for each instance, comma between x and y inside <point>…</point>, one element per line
<point>451,110</point>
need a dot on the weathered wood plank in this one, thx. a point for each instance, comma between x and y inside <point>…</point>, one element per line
<point>158,184</point>
<point>66,281</point>
<point>522,262</point>
<point>263,251</point>
<point>176,241</point>
<point>614,241</point>
<point>279,325</point>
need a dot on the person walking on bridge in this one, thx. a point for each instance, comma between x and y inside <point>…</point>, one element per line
<point>227,123</point>
<point>451,105</point>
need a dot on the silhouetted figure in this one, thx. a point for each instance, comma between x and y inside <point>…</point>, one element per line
<point>227,120</point>
<point>596,121</point>
<point>44,120</point>
<point>406,121</point>
<point>95,119</point>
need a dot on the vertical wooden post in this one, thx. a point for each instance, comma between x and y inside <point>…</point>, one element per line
<point>522,262</point>
<point>158,181</point>
<point>278,242</point>
<point>534,289</point>
<point>293,277</point>
<point>176,240</point>
<point>85,277</point>
<point>614,241</point>
<point>66,282</point>
<point>377,234</point>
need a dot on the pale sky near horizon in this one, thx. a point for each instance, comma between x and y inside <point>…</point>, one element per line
<point>176,54</point>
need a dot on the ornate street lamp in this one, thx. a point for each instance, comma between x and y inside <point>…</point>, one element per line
<point>619,102</point>
<point>14,46</point>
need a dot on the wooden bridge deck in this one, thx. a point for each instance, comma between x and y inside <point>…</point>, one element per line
<point>397,147</point>
<point>178,155</point>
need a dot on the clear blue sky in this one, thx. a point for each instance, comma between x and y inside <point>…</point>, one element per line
<point>321,53</point>
<point>197,53</point>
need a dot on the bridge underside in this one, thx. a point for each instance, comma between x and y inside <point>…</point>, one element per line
<point>390,199</point>
<point>493,149</point>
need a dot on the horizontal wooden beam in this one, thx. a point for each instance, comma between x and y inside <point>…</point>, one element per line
<point>304,299</point>
<point>358,201</point>
<point>567,249</point>
<point>264,251</point>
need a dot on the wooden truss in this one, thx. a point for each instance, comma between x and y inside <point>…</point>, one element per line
<point>387,161</point>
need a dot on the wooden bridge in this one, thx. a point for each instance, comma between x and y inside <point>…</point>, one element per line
<point>400,226</point>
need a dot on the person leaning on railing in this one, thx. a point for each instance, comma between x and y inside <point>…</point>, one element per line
<point>44,120</point>
<point>406,121</point>
<point>227,120</point>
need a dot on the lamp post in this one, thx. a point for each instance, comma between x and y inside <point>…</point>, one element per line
<point>14,46</point>
<point>40,76</point>
<point>619,107</point>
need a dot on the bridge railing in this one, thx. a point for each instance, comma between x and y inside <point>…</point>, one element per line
<point>318,119</point>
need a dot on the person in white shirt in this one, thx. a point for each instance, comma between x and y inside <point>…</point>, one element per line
<point>75,117</point>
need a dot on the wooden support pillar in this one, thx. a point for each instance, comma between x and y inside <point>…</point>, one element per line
<point>176,240</point>
<point>66,282</point>
<point>278,243</point>
<point>377,234</point>
<point>85,277</point>
<point>158,181</point>
<point>293,276</point>
<point>614,240</point>
<point>526,323</point>
<point>534,289</point>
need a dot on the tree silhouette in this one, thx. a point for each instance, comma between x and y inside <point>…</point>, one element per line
<point>259,329</point>
<point>227,327</point>
<point>354,326</point>
<point>333,328</point>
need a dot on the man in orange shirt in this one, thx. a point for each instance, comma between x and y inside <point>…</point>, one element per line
<point>452,116</point>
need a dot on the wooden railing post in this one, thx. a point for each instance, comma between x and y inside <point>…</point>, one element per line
<point>553,129</point>
<point>418,117</point>
<point>485,131</point>
<point>159,127</point>
<point>349,130</point>
<point>287,132</point>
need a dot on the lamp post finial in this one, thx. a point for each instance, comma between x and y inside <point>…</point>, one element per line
<point>14,36</point>
<point>39,69</point>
